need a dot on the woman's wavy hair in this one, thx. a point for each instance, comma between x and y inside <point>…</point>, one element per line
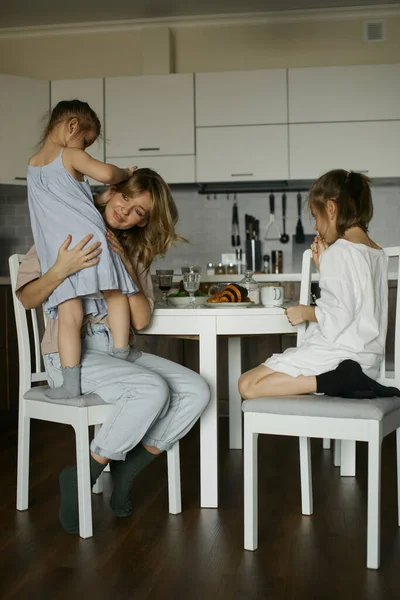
<point>158,234</point>
<point>66,110</point>
<point>352,195</point>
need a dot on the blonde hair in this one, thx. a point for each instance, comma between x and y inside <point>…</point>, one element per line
<point>352,195</point>
<point>159,233</point>
<point>72,109</point>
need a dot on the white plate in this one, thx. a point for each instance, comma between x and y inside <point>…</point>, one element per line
<point>184,300</point>
<point>229,304</point>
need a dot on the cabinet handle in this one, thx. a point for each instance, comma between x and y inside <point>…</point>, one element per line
<point>242,174</point>
<point>148,149</point>
<point>20,178</point>
<point>360,171</point>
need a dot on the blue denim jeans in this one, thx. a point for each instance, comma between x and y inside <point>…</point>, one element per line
<point>156,401</point>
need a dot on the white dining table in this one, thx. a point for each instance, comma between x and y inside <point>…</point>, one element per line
<point>209,323</point>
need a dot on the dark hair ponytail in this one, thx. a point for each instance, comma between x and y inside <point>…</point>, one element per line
<point>70,109</point>
<point>352,195</point>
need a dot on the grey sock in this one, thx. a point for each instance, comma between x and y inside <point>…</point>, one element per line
<point>126,353</point>
<point>71,387</point>
<point>124,473</point>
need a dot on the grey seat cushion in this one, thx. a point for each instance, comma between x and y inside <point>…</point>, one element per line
<point>323,406</point>
<point>37,393</point>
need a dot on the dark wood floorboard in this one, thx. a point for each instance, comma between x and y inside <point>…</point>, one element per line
<point>198,554</point>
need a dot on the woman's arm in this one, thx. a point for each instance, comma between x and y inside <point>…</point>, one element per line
<point>139,305</point>
<point>33,294</point>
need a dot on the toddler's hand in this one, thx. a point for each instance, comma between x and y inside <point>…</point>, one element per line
<point>132,170</point>
<point>294,314</point>
<point>318,246</point>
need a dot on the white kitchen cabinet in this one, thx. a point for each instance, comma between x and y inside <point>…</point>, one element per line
<point>173,169</point>
<point>87,90</point>
<point>354,93</point>
<point>23,104</point>
<point>241,98</point>
<point>150,115</point>
<point>249,153</point>
<point>370,147</point>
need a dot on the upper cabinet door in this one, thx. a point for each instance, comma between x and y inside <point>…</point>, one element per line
<point>360,93</point>
<point>241,98</point>
<point>250,153</point>
<point>372,148</point>
<point>87,90</point>
<point>149,115</point>
<point>23,104</point>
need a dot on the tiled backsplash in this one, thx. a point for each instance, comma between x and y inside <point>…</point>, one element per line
<point>206,224</point>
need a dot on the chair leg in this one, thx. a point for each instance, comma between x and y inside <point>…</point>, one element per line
<point>348,458</point>
<point>98,486</point>
<point>374,499</point>
<point>24,427</point>
<point>235,401</point>
<point>336,453</point>
<point>250,488</point>
<point>326,443</point>
<point>174,480</point>
<point>305,476</point>
<point>398,473</point>
<point>83,466</point>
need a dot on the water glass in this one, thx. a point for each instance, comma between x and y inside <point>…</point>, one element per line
<point>164,282</point>
<point>191,283</point>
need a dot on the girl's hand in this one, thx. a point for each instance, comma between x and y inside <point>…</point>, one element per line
<point>79,257</point>
<point>132,170</point>
<point>318,246</point>
<point>295,314</point>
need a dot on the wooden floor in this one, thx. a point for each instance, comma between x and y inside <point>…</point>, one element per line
<point>198,554</point>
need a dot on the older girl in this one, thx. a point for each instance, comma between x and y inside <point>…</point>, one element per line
<point>344,343</point>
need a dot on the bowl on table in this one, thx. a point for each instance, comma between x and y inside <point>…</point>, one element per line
<point>183,301</point>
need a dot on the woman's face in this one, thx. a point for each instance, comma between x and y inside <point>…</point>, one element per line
<point>123,212</point>
<point>325,221</point>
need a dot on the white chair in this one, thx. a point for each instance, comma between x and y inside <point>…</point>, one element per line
<point>79,412</point>
<point>311,416</point>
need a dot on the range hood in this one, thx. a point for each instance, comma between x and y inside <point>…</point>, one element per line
<point>288,185</point>
<point>254,187</point>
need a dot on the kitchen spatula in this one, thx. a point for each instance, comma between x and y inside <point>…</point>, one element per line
<point>299,236</point>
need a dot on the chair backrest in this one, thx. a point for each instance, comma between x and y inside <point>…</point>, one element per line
<point>388,376</point>
<point>27,374</point>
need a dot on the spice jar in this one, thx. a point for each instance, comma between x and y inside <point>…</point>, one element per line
<point>276,261</point>
<point>220,269</point>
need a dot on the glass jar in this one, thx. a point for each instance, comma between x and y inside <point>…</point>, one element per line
<point>231,269</point>
<point>220,269</point>
<point>210,269</point>
<point>251,285</point>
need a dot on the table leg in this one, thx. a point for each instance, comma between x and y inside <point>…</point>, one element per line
<point>209,418</point>
<point>235,400</point>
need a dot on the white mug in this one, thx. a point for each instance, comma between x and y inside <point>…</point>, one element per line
<point>272,295</point>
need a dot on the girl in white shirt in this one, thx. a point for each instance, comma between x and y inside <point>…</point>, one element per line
<point>344,343</point>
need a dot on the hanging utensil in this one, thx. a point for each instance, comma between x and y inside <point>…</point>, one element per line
<point>299,236</point>
<point>284,236</point>
<point>235,225</point>
<point>272,227</point>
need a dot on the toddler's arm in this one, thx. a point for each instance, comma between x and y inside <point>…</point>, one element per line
<point>102,172</point>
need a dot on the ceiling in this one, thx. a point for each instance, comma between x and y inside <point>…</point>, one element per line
<point>22,13</point>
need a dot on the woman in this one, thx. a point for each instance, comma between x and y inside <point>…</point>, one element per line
<point>157,400</point>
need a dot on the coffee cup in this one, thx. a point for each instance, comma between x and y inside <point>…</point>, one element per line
<point>272,295</point>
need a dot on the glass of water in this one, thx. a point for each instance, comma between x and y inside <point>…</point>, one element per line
<point>191,283</point>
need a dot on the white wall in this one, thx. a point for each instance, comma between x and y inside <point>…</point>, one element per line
<point>207,224</point>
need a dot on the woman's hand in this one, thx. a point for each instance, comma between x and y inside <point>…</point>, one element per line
<point>318,246</point>
<point>79,257</point>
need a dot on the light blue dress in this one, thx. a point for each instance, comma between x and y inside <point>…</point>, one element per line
<point>60,205</point>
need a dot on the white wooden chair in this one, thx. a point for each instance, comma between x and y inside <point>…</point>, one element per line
<point>311,416</point>
<point>80,412</point>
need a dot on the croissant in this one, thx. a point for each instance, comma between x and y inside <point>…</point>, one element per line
<point>231,293</point>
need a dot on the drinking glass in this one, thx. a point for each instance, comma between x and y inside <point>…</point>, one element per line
<point>190,269</point>
<point>164,282</point>
<point>191,283</point>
